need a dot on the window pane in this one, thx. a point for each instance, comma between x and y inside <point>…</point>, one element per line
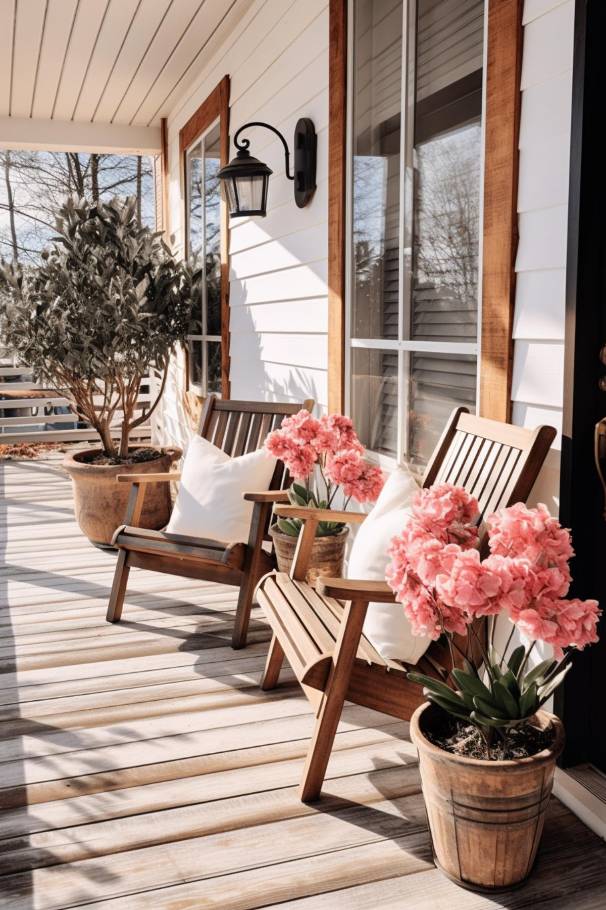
<point>195,221</point>
<point>376,167</point>
<point>194,199</point>
<point>214,366</point>
<point>374,378</point>
<point>437,384</point>
<point>212,230</point>
<point>447,153</point>
<point>196,363</point>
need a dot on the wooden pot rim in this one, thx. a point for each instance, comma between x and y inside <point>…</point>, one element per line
<point>512,765</point>
<point>74,465</point>
<point>275,531</point>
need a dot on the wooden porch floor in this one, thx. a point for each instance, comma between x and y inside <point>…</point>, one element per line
<point>142,767</point>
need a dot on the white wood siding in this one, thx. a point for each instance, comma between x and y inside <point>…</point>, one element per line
<point>546,84</point>
<point>277,59</point>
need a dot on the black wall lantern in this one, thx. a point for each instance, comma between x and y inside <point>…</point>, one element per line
<point>246,179</point>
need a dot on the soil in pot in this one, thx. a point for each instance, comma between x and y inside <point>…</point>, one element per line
<point>327,554</point>
<point>459,738</point>
<point>100,501</point>
<point>135,456</point>
<point>486,817</point>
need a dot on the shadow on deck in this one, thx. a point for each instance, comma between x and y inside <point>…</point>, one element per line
<point>142,766</point>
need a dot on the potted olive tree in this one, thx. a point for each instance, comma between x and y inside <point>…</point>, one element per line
<point>107,303</point>
<point>487,745</point>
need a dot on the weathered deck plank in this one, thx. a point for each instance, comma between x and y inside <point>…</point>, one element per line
<point>140,764</point>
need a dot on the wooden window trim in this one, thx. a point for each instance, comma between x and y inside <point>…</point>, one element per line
<point>500,225</point>
<point>214,107</point>
<point>337,168</point>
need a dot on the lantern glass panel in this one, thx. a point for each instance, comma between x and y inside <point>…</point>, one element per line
<point>251,193</point>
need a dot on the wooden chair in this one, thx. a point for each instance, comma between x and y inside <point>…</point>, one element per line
<point>320,631</point>
<point>236,427</point>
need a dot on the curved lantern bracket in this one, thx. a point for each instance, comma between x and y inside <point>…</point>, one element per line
<point>244,168</point>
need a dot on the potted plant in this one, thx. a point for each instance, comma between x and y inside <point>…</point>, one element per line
<point>107,303</point>
<point>325,458</point>
<point>487,746</point>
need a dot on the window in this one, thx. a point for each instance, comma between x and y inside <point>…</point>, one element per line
<point>415,147</point>
<point>203,161</point>
<point>204,146</point>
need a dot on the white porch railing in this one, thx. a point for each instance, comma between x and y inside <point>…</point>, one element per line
<point>31,413</point>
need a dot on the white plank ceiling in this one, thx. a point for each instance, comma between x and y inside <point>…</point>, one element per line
<point>121,62</point>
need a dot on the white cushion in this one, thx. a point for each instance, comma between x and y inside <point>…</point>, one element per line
<point>386,626</point>
<point>210,500</point>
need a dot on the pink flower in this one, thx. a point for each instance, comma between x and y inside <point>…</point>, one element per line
<point>444,504</point>
<point>301,427</point>
<point>516,582</point>
<point>360,480</point>
<point>536,626</point>
<point>336,432</point>
<point>470,586</point>
<point>532,534</point>
<point>299,458</point>
<point>448,512</point>
<point>443,584</point>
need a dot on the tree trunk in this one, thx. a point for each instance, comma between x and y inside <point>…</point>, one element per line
<point>94,176</point>
<point>11,206</point>
<point>107,442</point>
<point>77,174</point>
<point>124,438</point>
<point>139,187</point>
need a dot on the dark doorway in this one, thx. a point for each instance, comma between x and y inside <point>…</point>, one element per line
<point>583,702</point>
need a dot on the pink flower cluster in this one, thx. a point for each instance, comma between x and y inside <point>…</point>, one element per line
<point>304,441</point>
<point>443,584</point>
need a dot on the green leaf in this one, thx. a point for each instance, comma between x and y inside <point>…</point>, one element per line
<point>434,685</point>
<point>515,661</point>
<point>529,702</point>
<point>288,526</point>
<point>468,682</point>
<point>549,689</point>
<point>537,672</point>
<point>509,680</point>
<point>300,490</point>
<point>448,707</point>
<point>505,700</point>
<point>489,709</point>
<point>478,718</point>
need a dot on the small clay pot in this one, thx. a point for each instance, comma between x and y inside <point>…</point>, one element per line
<point>327,554</point>
<point>486,817</point>
<point>100,501</point>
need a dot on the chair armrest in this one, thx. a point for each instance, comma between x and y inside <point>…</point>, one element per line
<point>319,514</point>
<point>355,589</point>
<point>149,478</point>
<point>267,496</point>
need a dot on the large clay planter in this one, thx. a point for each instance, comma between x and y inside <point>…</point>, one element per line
<point>100,501</point>
<point>327,554</point>
<point>485,817</point>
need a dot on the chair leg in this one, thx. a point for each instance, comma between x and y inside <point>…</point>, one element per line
<point>320,748</point>
<point>243,608</point>
<point>273,665</point>
<point>331,706</point>
<point>116,598</point>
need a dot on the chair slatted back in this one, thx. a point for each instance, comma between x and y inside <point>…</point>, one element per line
<point>239,427</point>
<point>496,462</point>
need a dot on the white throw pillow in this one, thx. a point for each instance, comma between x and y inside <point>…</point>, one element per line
<point>386,626</point>
<point>210,500</point>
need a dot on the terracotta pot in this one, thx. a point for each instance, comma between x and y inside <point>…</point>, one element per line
<point>100,501</point>
<point>485,817</point>
<point>327,554</point>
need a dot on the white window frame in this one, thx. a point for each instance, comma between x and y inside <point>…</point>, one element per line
<point>403,346</point>
<point>201,388</point>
